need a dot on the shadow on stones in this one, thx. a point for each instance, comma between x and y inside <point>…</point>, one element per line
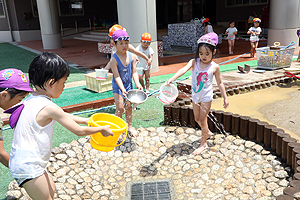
<point>174,151</point>
<point>128,145</point>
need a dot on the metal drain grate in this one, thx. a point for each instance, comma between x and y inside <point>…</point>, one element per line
<point>151,191</point>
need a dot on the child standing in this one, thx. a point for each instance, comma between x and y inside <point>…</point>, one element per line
<point>14,86</point>
<point>130,47</point>
<point>208,26</point>
<point>32,139</point>
<point>254,32</point>
<point>145,48</point>
<point>203,70</point>
<point>231,32</point>
<point>123,65</point>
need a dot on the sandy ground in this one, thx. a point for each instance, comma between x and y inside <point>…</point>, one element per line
<point>285,113</point>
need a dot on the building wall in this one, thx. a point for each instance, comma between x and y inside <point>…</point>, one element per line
<point>24,16</point>
<point>239,14</point>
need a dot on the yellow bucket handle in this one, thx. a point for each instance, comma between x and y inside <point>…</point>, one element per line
<point>114,145</point>
<point>89,123</point>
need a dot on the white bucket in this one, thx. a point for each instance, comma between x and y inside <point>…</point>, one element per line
<point>101,74</point>
<point>140,71</point>
<point>168,93</point>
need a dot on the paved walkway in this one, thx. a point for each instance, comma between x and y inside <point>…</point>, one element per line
<point>232,168</point>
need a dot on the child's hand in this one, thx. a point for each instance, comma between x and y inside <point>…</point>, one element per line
<point>106,131</point>
<point>168,82</point>
<point>139,87</point>
<point>226,103</point>
<point>148,63</point>
<point>124,93</point>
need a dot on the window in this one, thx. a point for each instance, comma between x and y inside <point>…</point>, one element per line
<point>1,8</point>
<point>71,7</point>
<point>230,3</point>
<point>66,7</point>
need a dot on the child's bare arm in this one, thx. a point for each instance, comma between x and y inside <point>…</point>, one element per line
<point>138,53</point>
<point>135,74</point>
<point>181,71</point>
<point>220,84</point>
<point>4,156</point>
<point>150,60</point>
<point>54,112</point>
<point>78,120</point>
<point>107,65</point>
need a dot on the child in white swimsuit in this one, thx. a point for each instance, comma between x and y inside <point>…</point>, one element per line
<point>202,92</point>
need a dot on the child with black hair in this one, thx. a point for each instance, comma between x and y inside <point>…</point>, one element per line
<point>208,27</point>
<point>32,139</point>
<point>14,86</point>
<point>231,32</point>
<point>123,65</point>
<point>254,31</point>
<point>203,71</point>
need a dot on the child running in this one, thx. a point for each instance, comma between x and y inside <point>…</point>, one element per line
<point>254,32</point>
<point>203,70</point>
<point>231,32</point>
<point>32,139</point>
<point>14,86</point>
<point>145,48</point>
<point>130,47</point>
<point>123,65</point>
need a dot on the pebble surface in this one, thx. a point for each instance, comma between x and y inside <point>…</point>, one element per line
<point>232,168</point>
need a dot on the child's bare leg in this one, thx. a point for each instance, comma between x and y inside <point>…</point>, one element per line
<point>119,101</point>
<point>41,187</point>
<point>201,111</point>
<point>4,156</point>
<point>229,46</point>
<point>141,79</point>
<point>252,48</point>
<point>232,46</point>
<point>128,114</point>
<point>147,78</point>
<point>255,46</point>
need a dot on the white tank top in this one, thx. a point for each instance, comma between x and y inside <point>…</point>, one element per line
<point>32,144</point>
<point>202,90</point>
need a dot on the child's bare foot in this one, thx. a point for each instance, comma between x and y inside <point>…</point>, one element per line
<point>200,149</point>
<point>133,132</point>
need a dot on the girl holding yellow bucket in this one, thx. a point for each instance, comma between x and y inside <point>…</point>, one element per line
<point>32,139</point>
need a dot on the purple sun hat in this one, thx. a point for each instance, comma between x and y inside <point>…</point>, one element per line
<point>120,35</point>
<point>209,38</point>
<point>14,78</point>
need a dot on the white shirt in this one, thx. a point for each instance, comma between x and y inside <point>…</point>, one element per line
<point>210,28</point>
<point>143,63</point>
<point>255,30</point>
<point>32,144</point>
<point>230,32</point>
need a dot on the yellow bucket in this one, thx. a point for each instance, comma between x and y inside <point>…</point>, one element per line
<point>117,126</point>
